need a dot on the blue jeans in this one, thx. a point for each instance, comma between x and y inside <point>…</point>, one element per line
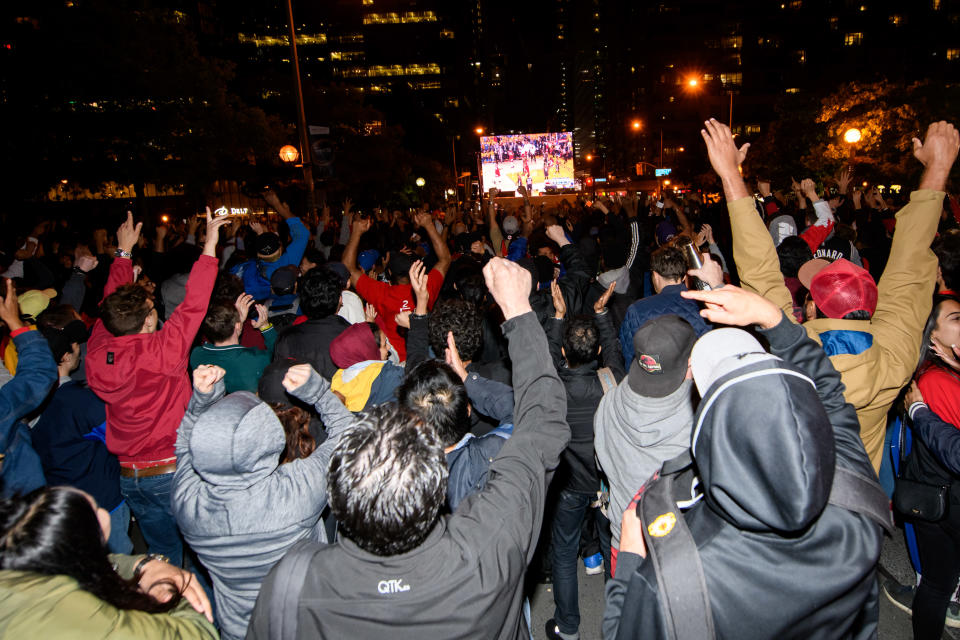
<point>149,499</point>
<point>570,510</point>
<point>119,541</point>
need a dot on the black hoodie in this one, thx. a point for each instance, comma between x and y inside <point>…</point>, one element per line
<point>779,561</point>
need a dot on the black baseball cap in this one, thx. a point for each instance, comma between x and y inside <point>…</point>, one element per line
<point>268,243</point>
<point>661,353</point>
<point>284,279</point>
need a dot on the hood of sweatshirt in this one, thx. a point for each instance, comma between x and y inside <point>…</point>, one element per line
<point>765,465</point>
<point>237,442</point>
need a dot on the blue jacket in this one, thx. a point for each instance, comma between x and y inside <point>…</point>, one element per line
<point>668,301</point>
<point>256,273</point>
<point>70,454</point>
<point>36,373</point>
<point>941,437</point>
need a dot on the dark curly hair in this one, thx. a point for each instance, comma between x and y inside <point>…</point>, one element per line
<point>581,340</point>
<point>434,391</point>
<point>320,291</point>
<point>464,320</point>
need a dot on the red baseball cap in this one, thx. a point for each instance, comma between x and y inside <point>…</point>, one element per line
<point>841,287</point>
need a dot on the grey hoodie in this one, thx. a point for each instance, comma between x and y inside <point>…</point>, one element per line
<point>634,435</point>
<point>237,507</point>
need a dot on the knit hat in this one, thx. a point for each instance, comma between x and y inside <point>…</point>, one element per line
<point>661,350</point>
<point>33,302</point>
<point>839,287</point>
<point>510,225</point>
<point>267,243</point>
<point>355,344</point>
<point>722,351</point>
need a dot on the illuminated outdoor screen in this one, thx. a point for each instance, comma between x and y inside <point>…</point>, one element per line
<point>537,161</point>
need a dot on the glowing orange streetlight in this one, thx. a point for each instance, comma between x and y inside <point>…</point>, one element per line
<point>682,149</point>
<point>693,82</point>
<point>635,125</point>
<point>589,157</point>
<point>289,153</point>
<point>852,135</point>
<point>478,131</point>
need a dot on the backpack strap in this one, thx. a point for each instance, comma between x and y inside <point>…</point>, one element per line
<point>607,381</point>
<point>670,546</point>
<point>860,494</point>
<point>291,573</point>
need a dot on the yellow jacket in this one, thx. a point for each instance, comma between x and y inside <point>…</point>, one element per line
<point>875,357</point>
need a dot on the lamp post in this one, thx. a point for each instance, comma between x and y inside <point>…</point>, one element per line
<point>852,136</point>
<point>301,116</point>
<point>289,153</point>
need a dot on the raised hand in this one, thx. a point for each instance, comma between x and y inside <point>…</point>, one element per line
<point>402,319</point>
<point>347,206</point>
<point>418,282</point>
<point>602,301</point>
<point>193,223</point>
<point>213,233</point>
<point>559,304</point>
<point>205,376</point>
<point>360,226</point>
<point>510,285</point>
<point>296,377</point>
<point>10,309</point>
<point>423,219</point>
<point>128,234</point>
<point>370,313</point>
<point>725,156</point>
<point>156,579</point>
<point>263,317</point>
<point>940,145</point>
<point>257,228</point>
<point>555,233</point>
<point>452,357</point>
<point>243,304</point>
<point>809,188</point>
<point>845,177</point>
<point>735,306</point>
<point>711,272</point>
<point>763,186</point>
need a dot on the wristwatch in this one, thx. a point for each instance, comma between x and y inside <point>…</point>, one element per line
<point>143,562</point>
<point>120,253</point>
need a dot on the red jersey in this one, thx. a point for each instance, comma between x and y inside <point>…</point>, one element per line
<point>391,299</point>
<point>941,392</point>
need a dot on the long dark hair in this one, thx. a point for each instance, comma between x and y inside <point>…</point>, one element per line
<point>55,531</point>
<point>296,428</point>
<point>929,357</point>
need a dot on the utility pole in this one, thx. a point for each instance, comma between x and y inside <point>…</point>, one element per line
<point>306,157</point>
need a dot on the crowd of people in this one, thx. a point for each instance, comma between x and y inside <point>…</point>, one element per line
<point>346,426</point>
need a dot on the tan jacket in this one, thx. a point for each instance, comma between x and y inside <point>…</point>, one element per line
<point>874,375</point>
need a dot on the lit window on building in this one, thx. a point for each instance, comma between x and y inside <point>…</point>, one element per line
<point>863,7</point>
<point>424,86</point>
<point>854,39</point>
<point>796,4</point>
<point>792,90</point>
<point>281,41</point>
<point>752,129</point>
<point>801,56</point>
<point>407,17</point>
<point>953,54</point>
<point>733,42</point>
<point>935,5</point>
<point>834,23</point>
<point>367,2</point>
<point>373,128</point>
<point>446,34</point>
<point>731,79</point>
<point>896,20</point>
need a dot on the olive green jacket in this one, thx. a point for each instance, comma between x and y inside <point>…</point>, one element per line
<point>50,607</point>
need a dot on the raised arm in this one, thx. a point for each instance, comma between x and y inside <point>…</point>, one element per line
<point>425,220</point>
<point>753,250</point>
<point>360,227</point>
<point>208,388</point>
<point>36,370</point>
<point>489,397</point>
<point>610,352</point>
<point>904,293</point>
<point>511,503</point>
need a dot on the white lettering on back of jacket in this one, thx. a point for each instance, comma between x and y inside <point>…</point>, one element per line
<point>392,586</point>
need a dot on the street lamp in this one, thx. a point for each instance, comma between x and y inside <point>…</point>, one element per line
<point>635,125</point>
<point>289,153</point>
<point>478,131</point>
<point>421,182</point>
<point>589,158</point>
<point>692,83</point>
<point>852,135</point>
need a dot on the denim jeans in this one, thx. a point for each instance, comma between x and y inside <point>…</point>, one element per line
<point>149,500</point>
<point>570,509</point>
<point>119,541</point>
